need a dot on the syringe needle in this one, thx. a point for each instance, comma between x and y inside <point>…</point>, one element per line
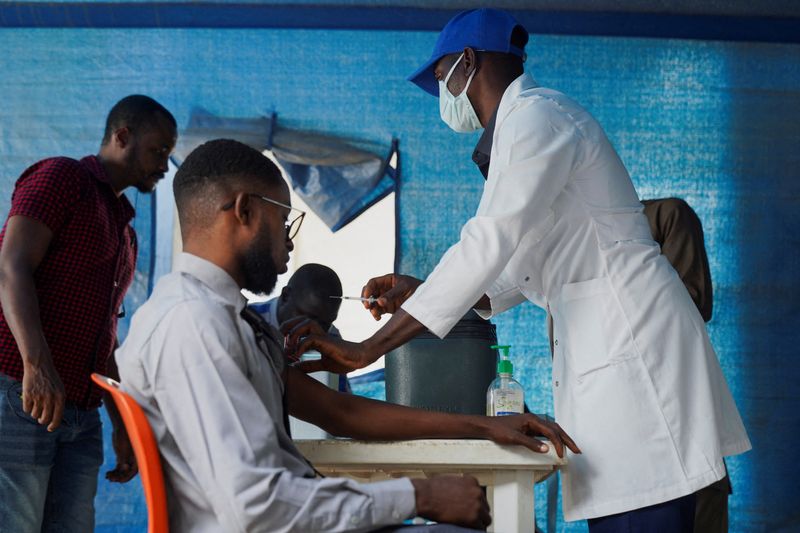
<point>371,299</point>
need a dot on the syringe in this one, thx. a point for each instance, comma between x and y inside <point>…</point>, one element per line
<point>370,300</point>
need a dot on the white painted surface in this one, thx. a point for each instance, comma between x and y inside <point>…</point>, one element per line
<point>508,472</point>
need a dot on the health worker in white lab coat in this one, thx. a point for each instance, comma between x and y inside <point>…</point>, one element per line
<point>636,381</point>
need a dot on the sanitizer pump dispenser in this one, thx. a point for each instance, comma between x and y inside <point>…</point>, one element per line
<point>505,395</point>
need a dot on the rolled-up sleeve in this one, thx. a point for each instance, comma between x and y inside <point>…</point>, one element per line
<point>228,439</point>
<point>536,147</point>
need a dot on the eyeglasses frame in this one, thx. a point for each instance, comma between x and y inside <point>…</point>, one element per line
<point>290,234</point>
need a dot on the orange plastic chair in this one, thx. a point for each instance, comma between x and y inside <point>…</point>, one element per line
<point>146,451</point>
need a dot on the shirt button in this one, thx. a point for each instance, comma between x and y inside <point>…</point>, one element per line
<point>527,278</point>
<point>556,383</point>
<point>556,342</point>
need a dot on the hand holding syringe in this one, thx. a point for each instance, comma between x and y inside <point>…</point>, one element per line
<point>386,293</point>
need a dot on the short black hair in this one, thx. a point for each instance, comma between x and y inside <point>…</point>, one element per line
<point>215,168</point>
<point>309,293</point>
<point>316,278</point>
<point>137,112</point>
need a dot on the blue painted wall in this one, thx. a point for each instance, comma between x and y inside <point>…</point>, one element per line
<point>713,122</point>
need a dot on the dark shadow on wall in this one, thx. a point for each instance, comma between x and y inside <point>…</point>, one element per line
<point>764,91</point>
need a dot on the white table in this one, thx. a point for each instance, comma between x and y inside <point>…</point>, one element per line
<point>508,472</point>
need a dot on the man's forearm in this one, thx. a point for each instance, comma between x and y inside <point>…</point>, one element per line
<point>401,328</point>
<point>373,420</point>
<point>350,415</point>
<point>113,412</point>
<point>21,310</point>
<point>108,400</point>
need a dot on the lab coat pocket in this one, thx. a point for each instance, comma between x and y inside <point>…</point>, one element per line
<point>593,325</point>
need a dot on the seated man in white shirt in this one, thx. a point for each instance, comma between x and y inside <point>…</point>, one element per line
<point>216,388</point>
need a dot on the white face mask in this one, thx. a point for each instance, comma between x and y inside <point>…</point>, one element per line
<point>457,111</point>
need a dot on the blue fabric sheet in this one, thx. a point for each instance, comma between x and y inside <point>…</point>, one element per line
<point>713,122</point>
<point>337,178</point>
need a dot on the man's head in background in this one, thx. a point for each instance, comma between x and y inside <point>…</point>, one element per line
<point>234,207</point>
<point>139,136</point>
<point>308,294</point>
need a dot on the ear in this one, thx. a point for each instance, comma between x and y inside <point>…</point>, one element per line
<point>122,136</point>
<point>470,61</point>
<point>285,293</point>
<point>243,209</point>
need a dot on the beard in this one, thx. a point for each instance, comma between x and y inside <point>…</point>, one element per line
<point>260,270</point>
<point>146,183</point>
<point>146,187</point>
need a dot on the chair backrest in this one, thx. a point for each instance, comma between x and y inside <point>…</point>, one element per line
<point>146,451</point>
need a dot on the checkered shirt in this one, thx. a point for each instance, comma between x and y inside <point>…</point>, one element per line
<point>83,277</point>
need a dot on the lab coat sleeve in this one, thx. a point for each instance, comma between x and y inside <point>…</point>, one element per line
<point>227,436</point>
<point>503,294</point>
<point>536,148</point>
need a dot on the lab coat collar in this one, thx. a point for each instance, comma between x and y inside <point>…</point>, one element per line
<point>481,156</point>
<point>517,87</point>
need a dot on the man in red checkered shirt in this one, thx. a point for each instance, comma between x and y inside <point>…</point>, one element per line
<point>67,256</point>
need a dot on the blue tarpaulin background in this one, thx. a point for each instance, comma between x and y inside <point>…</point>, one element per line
<point>337,178</point>
<point>714,122</point>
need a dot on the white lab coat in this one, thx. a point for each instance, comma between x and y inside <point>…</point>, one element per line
<point>636,382</point>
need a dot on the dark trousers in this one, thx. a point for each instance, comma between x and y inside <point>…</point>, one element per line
<point>675,516</point>
<point>711,512</point>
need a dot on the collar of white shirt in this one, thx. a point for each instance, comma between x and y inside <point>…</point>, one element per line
<point>214,277</point>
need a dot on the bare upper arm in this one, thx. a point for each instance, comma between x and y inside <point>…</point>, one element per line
<point>304,393</point>
<point>310,400</point>
<point>25,243</point>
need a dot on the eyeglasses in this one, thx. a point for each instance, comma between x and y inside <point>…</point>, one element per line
<point>292,227</point>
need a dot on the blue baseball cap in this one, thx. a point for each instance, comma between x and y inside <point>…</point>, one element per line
<point>484,29</point>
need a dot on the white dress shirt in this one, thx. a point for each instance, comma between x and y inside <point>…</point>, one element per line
<point>636,382</point>
<point>213,395</point>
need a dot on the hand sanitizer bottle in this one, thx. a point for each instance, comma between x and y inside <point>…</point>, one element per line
<point>505,395</point>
